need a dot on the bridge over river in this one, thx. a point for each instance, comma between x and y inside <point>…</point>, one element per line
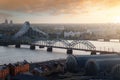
<point>29,35</point>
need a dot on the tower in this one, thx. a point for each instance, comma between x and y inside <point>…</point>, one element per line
<point>11,22</point>
<point>6,21</point>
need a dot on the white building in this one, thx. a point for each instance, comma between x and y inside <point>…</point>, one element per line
<point>71,34</point>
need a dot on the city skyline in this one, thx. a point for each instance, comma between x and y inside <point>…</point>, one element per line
<point>60,11</point>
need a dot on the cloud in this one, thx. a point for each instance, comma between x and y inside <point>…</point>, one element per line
<point>57,6</point>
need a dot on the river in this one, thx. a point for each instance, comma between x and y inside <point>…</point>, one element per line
<point>11,54</point>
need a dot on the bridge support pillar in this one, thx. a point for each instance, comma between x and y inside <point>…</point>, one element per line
<point>49,49</point>
<point>41,46</point>
<point>93,53</point>
<point>17,45</point>
<point>32,47</point>
<point>69,51</point>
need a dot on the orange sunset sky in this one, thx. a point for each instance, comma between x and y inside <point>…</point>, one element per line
<point>60,11</point>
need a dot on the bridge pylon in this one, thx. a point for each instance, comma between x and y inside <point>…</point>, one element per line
<point>69,51</point>
<point>41,46</point>
<point>93,53</point>
<point>32,47</point>
<point>49,49</point>
<point>17,45</point>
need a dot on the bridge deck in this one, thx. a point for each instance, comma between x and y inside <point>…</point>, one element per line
<point>88,50</point>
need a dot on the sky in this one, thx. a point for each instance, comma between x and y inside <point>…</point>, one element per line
<point>60,11</point>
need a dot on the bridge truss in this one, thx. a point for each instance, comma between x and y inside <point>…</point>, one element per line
<point>66,44</point>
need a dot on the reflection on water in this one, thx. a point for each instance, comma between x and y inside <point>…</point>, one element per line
<point>12,55</point>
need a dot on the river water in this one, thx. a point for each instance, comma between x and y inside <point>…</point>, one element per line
<point>11,54</point>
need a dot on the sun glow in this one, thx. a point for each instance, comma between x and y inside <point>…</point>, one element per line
<point>116,19</point>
